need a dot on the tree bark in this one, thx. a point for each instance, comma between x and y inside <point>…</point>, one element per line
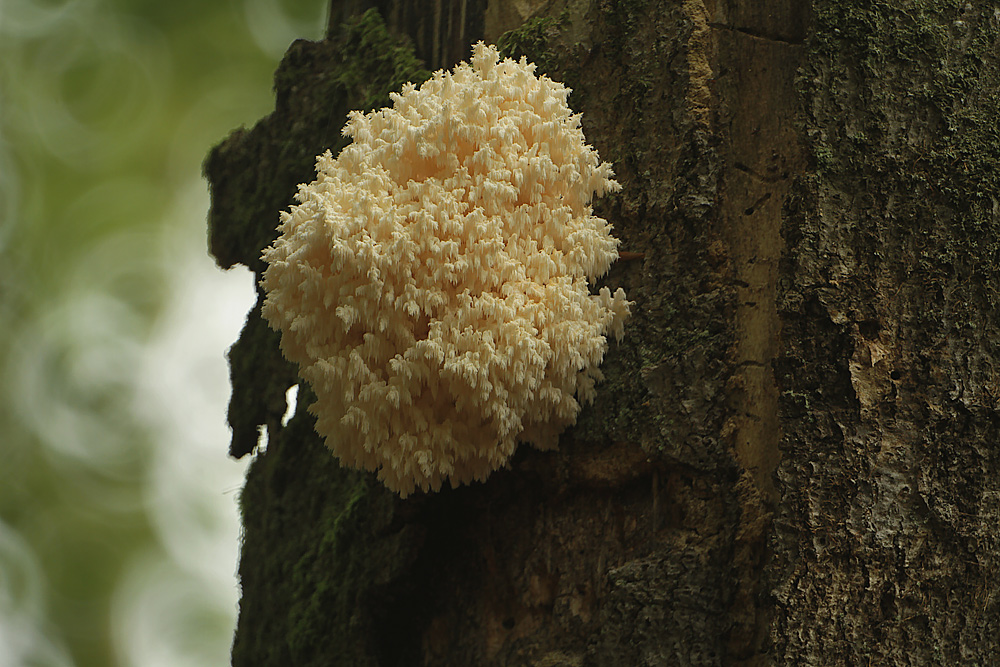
<point>794,458</point>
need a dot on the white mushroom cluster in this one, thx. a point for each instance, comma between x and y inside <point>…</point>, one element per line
<point>432,282</point>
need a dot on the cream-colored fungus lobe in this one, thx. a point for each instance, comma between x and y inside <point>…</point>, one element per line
<point>432,282</point>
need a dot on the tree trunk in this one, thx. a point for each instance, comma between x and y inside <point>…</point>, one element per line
<point>794,458</point>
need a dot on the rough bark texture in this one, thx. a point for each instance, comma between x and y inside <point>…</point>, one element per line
<point>794,457</point>
<point>890,467</point>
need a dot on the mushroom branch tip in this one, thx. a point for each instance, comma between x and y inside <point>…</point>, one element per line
<point>432,283</point>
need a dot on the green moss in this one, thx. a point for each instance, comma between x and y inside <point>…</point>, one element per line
<point>921,57</point>
<point>925,146</point>
<point>331,572</point>
<point>253,174</point>
<point>532,40</point>
<point>369,48</point>
<point>317,552</point>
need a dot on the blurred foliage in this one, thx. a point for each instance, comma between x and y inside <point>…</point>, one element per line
<point>117,543</point>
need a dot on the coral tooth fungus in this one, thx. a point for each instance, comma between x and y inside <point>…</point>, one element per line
<point>432,282</point>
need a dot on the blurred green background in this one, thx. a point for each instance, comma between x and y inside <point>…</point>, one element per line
<point>118,522</point>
